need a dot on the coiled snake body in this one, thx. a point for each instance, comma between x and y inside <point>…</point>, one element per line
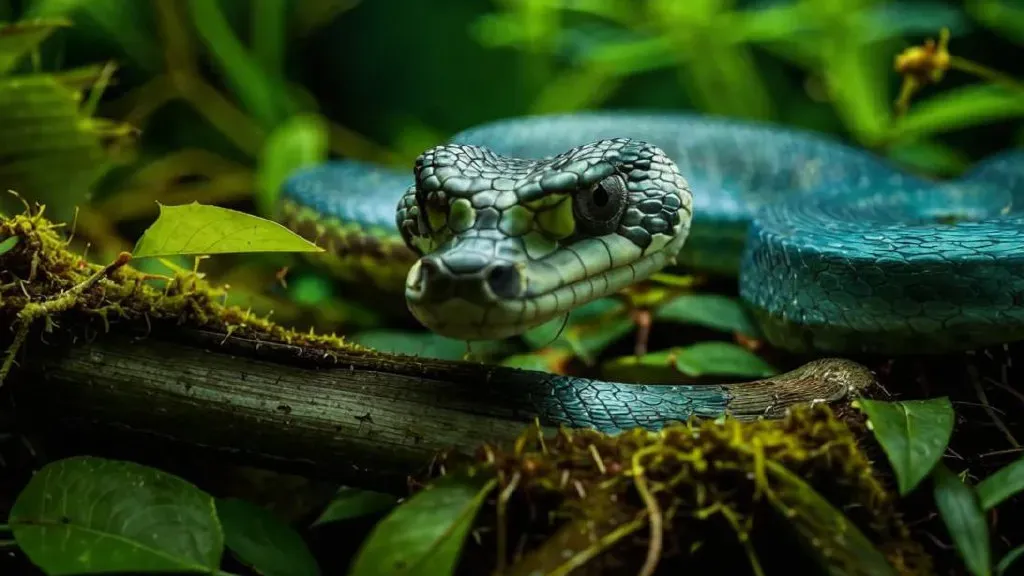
<point>517,222</point>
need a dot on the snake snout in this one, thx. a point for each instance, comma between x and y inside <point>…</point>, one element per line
<point>452,296</point>
<point>433,281</point>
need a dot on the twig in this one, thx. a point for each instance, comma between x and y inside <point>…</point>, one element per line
<point>976,383</point>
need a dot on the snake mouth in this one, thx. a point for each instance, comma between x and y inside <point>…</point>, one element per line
<point>474,307</point>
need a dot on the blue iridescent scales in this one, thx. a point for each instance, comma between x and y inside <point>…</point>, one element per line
<point>836,250</point>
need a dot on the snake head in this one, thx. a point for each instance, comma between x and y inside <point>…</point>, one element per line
<point>506,244</point>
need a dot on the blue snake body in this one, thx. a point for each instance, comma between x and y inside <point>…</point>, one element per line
<point>836,250</point>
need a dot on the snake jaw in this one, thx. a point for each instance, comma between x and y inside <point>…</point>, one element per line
<point>508,244</point>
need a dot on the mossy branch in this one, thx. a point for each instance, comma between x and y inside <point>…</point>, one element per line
<point>34,311</point>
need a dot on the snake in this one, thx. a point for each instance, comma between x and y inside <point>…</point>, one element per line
<point>837,251</point>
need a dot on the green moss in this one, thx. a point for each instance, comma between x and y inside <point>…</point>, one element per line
<point>42,282</point>
<point>586,496</point>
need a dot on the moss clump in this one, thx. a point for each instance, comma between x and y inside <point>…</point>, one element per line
<point>42,283</point>
<point>707,497</point>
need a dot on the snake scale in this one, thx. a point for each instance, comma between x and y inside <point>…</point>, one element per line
<point>837,252</point>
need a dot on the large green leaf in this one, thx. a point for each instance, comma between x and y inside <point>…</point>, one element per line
<point>913,434</point>
<point>721,359</point>
<point>959,108</point>
<point>964,519</point>
<point>89,515</point>
<point>711,310</point>
<point>1006,482</point>
<point>652,368</point>
<point>298,142</point>
<point>18,39</point>
<point>695,361</point>
<point>198,229</point>
<point>589,329</point>
<point>260,91</point>
<point>351,503</point>
<point>260,540</point>
<point>832,540</point>
<point>52,153</point>
<point>424,536</point>
<point>929,157</point>
<point>124,25</point>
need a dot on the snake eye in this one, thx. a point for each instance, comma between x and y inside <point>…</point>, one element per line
<point>599,208</point>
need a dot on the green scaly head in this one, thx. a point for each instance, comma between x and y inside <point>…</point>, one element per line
<point>506,244</point>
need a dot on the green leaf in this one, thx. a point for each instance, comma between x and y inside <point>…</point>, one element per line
<point>590,329</point>
<point>126,25</point>
<point>20,38</point>
<point>89,515</point>
<point>269,34</point>
<point>721,359</point>
<point>833,541</point>
<point>1009,560</point>
<point>8,244</point>
<point>965,520</point>
<point>1001,16</point>
<point>424,536</point>
<point>262,95</point>
<point>652,368</point>
<point>1006,482</point>
<point>959,108</point>
<point>711,310</point>
<point>351,503</point>
<point>551,360</point>
<point>197,229</point>
<point>913,434</point>
<point>53,153</point>
<point>930,157</point>
<point>263,542</point>
<point>858,80</point>
<point>298,142</point>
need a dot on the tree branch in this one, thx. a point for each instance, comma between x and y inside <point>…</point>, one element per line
<point>369,420</point>
<point>354,416</point>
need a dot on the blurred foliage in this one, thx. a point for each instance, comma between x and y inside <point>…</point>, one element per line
<point>217,101</point>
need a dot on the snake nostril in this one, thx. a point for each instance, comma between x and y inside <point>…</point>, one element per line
<point>423,271</point>
<point>504,281</point>
<point>428,269</point>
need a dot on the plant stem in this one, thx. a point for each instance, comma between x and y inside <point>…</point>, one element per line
<point>984,72</point>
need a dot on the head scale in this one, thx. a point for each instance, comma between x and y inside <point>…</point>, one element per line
<point>507,244</point>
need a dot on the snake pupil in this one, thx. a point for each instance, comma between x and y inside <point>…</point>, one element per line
<point>599,208</point>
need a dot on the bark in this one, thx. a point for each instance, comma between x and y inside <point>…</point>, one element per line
<point>359,418</point>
